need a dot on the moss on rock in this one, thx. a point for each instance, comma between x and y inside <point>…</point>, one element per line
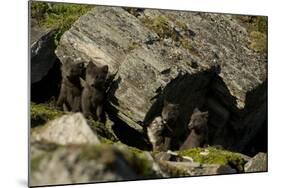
<point>162,26</point>
<point>138,160</point>
<point>258,41</point>
<point>213,155</point>
<point>41,113</point>
<point>58,15</point>
<point>35,162</point>
<point>103,131</point>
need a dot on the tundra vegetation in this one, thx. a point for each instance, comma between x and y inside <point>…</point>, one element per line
<point>149,56</point>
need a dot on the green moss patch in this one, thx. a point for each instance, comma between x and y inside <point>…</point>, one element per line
<point>212,155</point>
<point>257,28</point>
<point>36,161</point>
<point>41,113</point>
<point>254,23</point>
<point>139,162</point>
<point>161,25</point>
<point>102,131</point>
<point>57,15</point>
<point>258,41</point>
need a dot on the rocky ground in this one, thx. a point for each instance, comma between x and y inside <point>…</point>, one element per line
<point>210,61</point>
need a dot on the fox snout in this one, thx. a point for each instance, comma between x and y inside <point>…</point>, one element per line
<point>191,125</point>
<point>164,121</point>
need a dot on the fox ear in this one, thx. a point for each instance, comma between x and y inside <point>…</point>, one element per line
<point>196,110</point>
<point>90,65</point>
<point>83,82</point>
<point>105,68</point>
<point>205,114</point>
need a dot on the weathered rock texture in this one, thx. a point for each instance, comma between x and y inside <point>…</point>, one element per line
<point>67,129</point>
<point>177,169</point>
<point>257,163</point>
<point>193,59</point>
<point>86,164</point>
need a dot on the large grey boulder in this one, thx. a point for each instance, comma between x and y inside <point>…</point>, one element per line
<point>193,59</point>
<point>257,164</point>
<point>86,164</point>
<point>67,129</point>
<point>72,165</point>
<point>145,70</point>
<point>42,47</point>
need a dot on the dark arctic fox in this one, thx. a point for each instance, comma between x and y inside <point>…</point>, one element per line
<point>93,94</point>
<point>70,93</point>
<point>170,114</point>
<point>198,125</point>
<point>161,129</point>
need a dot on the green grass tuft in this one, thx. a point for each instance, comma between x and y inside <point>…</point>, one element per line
<point>57,15</point>
<point>215,156</point>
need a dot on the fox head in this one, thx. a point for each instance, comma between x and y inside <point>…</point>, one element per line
<point>96,76</point>
<point>198,120</point>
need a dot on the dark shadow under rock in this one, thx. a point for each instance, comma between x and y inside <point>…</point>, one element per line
<point>48,87</point>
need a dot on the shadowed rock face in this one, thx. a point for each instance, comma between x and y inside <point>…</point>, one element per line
<point>191,59</point>
<point>42,46</point>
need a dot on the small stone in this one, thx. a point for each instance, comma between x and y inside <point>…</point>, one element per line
<point>257,164</point>
<point>67,129</point>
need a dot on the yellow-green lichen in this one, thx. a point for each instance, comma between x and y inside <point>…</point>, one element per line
<point>41,113</point>
<point>258,41</point>
<point>254,23</point>
<point>159,25</point>
<point>256,27</point>
<point>163,28</point>
<point>213,155</point>
<point>132,46</point>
